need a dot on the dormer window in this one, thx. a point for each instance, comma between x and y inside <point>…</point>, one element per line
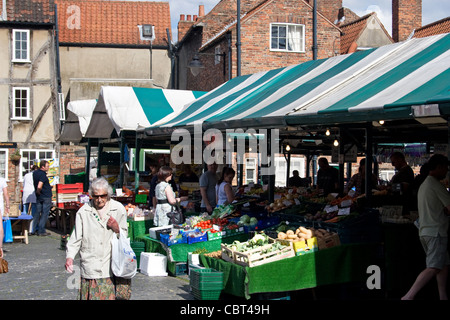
<point>147,30</point>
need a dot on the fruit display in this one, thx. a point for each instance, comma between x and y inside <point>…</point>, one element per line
<point>285,199</point>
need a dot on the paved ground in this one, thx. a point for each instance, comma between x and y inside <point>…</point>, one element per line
<point>36,272</point>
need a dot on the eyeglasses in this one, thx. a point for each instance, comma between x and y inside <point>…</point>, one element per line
<point>96,196</point>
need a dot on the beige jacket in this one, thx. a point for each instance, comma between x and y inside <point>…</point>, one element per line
<point>91,238</point>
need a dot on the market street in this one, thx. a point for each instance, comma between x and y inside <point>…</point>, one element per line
<point>36,272</point>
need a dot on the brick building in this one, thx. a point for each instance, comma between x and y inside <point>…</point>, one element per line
<point>274,34</point>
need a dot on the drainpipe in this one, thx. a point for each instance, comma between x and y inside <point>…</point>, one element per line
<point>315,30</point>
<point>238,38</point>
<point>58,67</point>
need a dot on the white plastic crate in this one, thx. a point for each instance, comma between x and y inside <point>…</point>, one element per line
<point>153,264</point>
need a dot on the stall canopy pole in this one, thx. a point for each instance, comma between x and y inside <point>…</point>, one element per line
<point>271,186</point>
<point>88,166</point>
<point>137,158</point>
<point>122,159</point>
<point>369,161</point>
<point>99,158</point>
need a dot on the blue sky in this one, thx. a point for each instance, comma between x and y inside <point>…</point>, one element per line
<point>432,10</point>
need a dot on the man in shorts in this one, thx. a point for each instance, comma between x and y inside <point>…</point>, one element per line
<point>434,206</point>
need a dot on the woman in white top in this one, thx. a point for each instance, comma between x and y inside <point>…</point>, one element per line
<point>165,197</point>
<point>224,192</point>
<point>29,198</point>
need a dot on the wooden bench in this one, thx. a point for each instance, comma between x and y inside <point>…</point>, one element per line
<point>24,220</point>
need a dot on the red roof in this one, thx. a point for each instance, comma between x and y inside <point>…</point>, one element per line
<point>29,11</point>
<point>104,22</point>
<point>434,28</point>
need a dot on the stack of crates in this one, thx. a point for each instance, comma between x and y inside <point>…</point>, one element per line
<point>138,247</point>
<point>67,193</point>
<point>206,284</point>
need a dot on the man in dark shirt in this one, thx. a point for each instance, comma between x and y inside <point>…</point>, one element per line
<point>327,177</point>
<point>43,197</point>
<point>295,180</point>
<point>402,182</point>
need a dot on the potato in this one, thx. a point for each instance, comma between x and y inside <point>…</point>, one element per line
<point>292,236</point>
<point>290,232</point>
<point>303,229</point>
<point>282,235</point>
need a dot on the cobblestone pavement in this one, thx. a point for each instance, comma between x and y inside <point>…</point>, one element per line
<point>36,272</point>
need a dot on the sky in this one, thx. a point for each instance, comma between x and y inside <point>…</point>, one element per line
<point>432,10</point>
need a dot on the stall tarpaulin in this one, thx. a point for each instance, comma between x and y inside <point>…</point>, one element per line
<point>134,108</point>
<point>350,87</point>
<point>78,119</point>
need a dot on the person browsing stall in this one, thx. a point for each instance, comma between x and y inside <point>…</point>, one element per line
<point>96,223</point>
<point>434,208</point>
<point>165,197</point>
<point>327,177</point>
<point>224,191</point>
<point>208,181</point>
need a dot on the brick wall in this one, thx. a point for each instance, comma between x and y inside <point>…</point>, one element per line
<point>255,44</point>
<point>406,16</point>
<point>69,160</point>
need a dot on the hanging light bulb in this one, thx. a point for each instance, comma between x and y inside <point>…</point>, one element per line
<point>327,132</point>
<point>288,148</point>
<point>336,142</point>
<point>381,122</point>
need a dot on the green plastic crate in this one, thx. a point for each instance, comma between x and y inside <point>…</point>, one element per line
<point>206,279</point>
<point>206,294</point>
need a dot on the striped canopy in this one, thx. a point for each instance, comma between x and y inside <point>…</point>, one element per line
<point>77,121</point>
<point>134,108</point>
<point>379,81</point>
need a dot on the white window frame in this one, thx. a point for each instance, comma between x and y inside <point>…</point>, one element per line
<point>289,26</point>
<point>62,110</point>
<point>25,169</point>
<point>251,164</point>
<point>6,151</point>
<point>217,55</point>
<point>14,40</point>
<point>27,102</point>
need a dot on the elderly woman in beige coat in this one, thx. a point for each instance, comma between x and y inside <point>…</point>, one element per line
<point>95,225</point>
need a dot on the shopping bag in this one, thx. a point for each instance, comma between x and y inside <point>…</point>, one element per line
<point>3,266</point>
<point>176,216</point>
<point>7,230</point>
<point>123,258</point>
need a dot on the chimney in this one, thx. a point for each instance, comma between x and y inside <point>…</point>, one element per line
<point>184,25</point>
<point>201,10</point>
<point>406,17</point>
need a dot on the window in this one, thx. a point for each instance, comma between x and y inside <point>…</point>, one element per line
<point>21,103</point>
<point>217,55</point>
<point>287,37</point>
<point>250,170</point>
<point>30,157</point>
<point>62,111</point>
<point>4,163</point>
<point>21,45</point>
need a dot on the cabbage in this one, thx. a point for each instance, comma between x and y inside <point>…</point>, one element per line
<point>253,221</point>
<point>245,219</point>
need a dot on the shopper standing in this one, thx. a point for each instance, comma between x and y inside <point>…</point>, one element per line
<point>434,206</point>
<point>29,196</point>
<point>4,209</point>
<point>207,182</point>
<point>43,198</point>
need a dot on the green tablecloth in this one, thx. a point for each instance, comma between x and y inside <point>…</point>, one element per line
<point>179,252</point>
<point>340,264</point>
<point>138,228</point>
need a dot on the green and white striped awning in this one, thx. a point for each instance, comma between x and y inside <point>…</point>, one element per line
<point>383,82</point>
<point>134,108</point>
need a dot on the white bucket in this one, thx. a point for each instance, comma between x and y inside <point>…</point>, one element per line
<point>153,264</point>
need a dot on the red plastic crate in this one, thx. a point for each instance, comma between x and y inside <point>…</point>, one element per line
<point>70,188</point>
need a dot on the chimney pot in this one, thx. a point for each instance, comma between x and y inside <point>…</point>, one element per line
<point>181,17</point>
<point>201,10</point>
<point>188,17</point>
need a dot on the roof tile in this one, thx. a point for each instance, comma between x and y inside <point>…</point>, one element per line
<point>113,22</point>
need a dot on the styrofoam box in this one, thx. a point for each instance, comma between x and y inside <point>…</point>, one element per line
<point>152,231</point>
<point>153,264</point>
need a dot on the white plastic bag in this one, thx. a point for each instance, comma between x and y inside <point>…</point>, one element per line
<point>123,260</point>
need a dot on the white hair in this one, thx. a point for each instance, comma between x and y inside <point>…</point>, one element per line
<point>100,184</point>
